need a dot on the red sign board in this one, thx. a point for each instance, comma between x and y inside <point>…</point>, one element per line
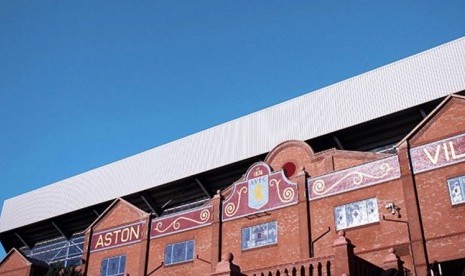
<point>119,236</point>
<point>364,175</point>
<point>182,221</point>
<point>438,154</point>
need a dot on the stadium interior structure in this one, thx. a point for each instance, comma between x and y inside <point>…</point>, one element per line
<point>374,113</point>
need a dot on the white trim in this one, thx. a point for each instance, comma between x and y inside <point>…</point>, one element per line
<point>183,212</point>
<point>118,227</point>
<point>182,230</point>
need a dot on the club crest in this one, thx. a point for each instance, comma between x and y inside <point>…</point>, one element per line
<point>258,192</point>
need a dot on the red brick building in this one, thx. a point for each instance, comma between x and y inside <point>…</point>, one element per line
<point>354,181</point>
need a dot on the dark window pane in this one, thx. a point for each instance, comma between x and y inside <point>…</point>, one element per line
<point>113,266</point>
<point>178,252</point>
<point>271,232</point>
<point>122,264</point>
<point>104,267</point>
<point>168,255</point>
<point>245,238</point>
<point>189,250</point>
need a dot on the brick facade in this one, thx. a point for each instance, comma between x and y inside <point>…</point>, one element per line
<point>119,216</point>
<point>415,223</point>
<point>16,264</point>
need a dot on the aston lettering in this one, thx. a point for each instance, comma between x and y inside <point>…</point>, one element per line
<point>116,237</point>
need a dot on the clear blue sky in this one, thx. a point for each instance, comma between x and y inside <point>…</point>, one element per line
<point>86,83</point>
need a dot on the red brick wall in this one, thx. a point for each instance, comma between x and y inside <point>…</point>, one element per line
<point>134,254</point>
<point>286,250</point>
<point>442,223</point>
<point>447,122</point>
<point>335,160</point>
<point>202,248</point>
<point>25,271</point>
<point>441,220</point>
<point>437,218</point>
<point>372,241</point>
<point>296,152</point>
<point>15,265</point>
<point>121,213</point>
<point>321,163</point>
<point>346,159</point>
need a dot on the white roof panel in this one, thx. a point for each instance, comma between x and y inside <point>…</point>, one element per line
<point>394,87</point>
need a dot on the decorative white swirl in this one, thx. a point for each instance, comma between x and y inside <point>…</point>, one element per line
<point>288,193</point>
<point>231,209</point>
<point>358,177</point>
<point>204,216</point>
<point>319,186</point>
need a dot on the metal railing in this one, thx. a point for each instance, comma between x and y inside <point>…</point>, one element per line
<point>321,266</point>
<point>365,268</point>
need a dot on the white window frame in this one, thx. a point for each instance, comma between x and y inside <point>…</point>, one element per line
<point>363,215</point>
<point>119,273</point>
<point>171,247</point>
<point>455,198</point>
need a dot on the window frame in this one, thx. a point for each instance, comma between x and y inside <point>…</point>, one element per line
<point>366,215</point>
<point>172,245</point>
<point>461,184</point>
<point>108,259</point>
<point>251,230</point>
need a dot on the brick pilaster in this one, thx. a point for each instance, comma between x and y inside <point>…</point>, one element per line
<point>392,261</point>
<point>304,214</point>
<point>343,255</point>
<point>417,243</point>
<point>216,231</point>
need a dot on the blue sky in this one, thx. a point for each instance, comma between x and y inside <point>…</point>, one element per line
<point>86,83</point>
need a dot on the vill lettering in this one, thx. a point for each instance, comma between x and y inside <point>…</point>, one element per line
<point>117,237</point>
<point>447,149</point>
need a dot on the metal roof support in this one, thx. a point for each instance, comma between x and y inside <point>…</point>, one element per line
<point>166,204</point>
<point>423,113</point>
<point>60,230</point>
<point>338,142</point>
<point>203,188</point>
<point>28,245</point>
<point>155,210</point>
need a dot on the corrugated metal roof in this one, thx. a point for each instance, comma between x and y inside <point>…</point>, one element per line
<point>391,88</point>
